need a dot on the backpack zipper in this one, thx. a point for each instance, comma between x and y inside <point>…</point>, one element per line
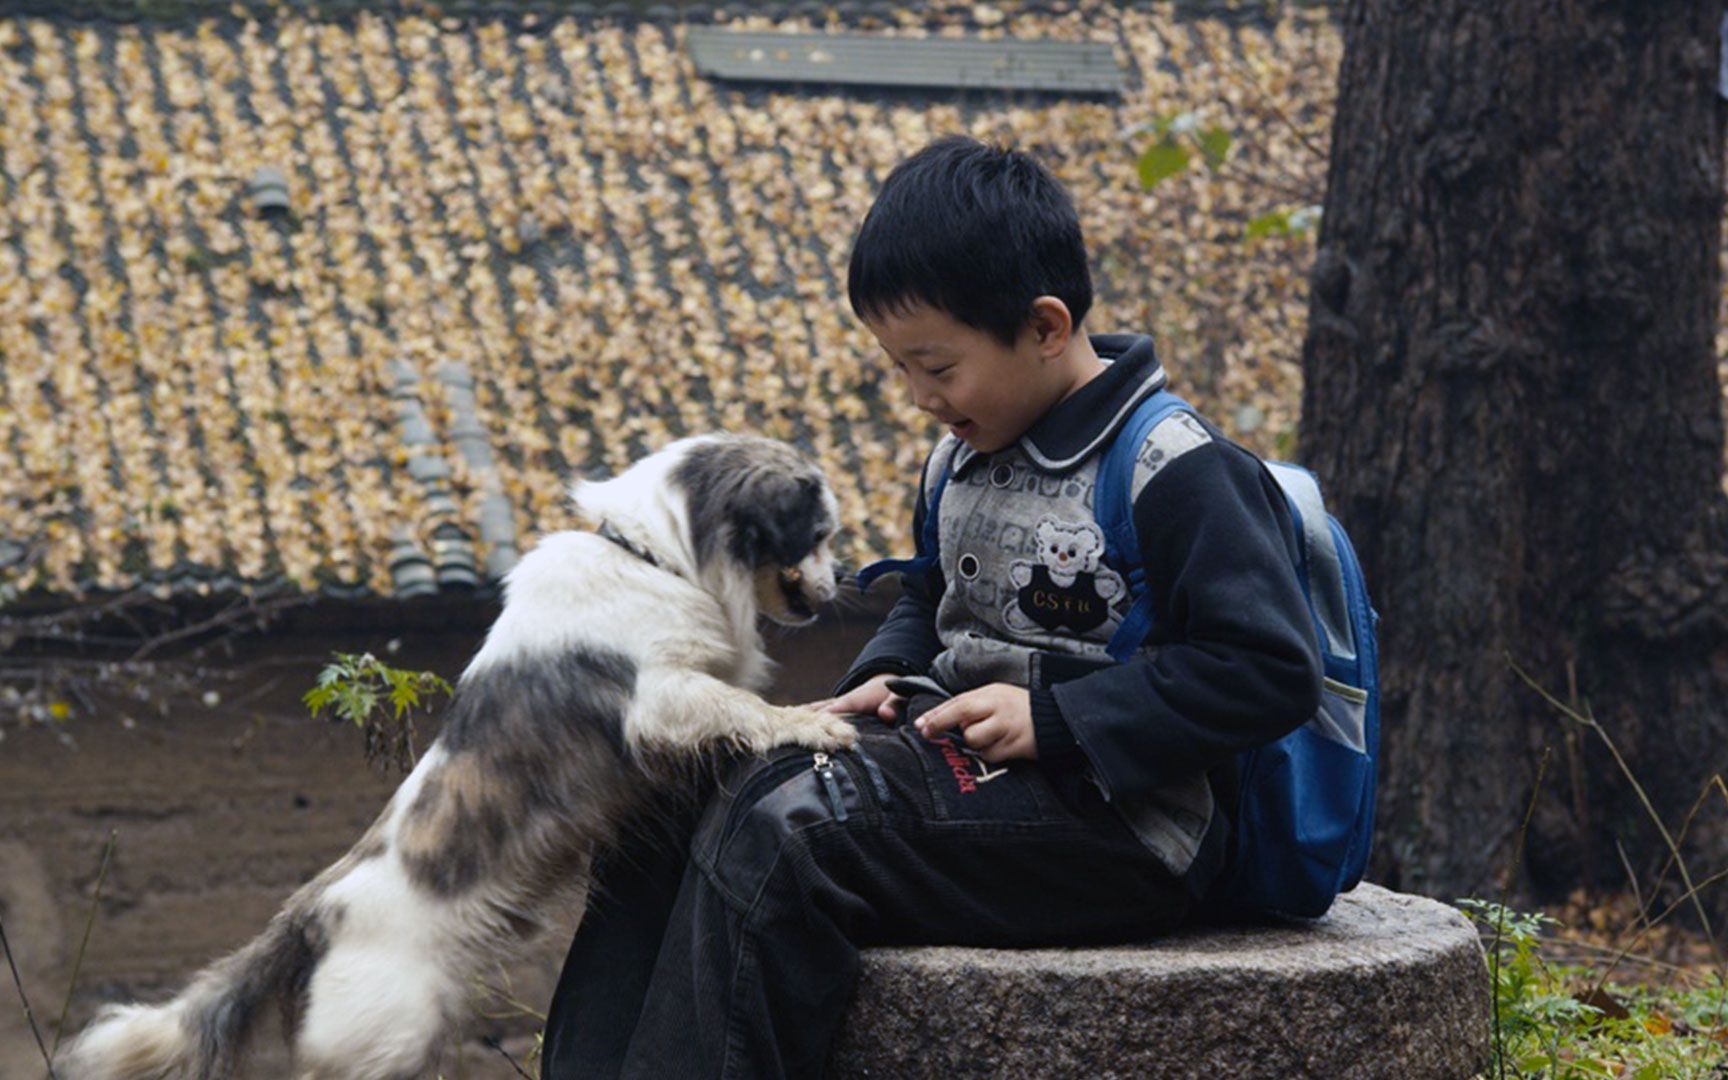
<point>824,766</point>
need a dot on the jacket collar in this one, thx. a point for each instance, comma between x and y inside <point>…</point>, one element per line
<point>1079,424</point>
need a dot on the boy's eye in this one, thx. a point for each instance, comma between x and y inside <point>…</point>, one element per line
<point>943,370</point>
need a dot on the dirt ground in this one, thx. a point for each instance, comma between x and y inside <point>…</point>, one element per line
<point>219,812</point>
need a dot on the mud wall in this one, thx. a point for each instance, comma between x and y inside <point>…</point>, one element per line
<point>220,812</point>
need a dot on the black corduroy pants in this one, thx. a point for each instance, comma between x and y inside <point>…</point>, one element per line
<point>736,956</point>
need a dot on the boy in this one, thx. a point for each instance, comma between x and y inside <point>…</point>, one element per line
<point>1056,798</point>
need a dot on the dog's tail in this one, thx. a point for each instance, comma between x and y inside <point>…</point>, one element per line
<point>201,1034</point>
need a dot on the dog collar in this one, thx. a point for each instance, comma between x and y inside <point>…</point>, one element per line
<point>610,532</point>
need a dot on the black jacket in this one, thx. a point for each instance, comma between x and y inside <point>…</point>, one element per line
<point>1231,662</point>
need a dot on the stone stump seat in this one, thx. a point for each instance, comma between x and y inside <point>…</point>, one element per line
<point>1385,986</point>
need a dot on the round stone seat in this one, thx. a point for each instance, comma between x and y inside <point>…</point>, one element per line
<point>1386,985</point>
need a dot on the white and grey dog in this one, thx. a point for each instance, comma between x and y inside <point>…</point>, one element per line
<point>615,651</point>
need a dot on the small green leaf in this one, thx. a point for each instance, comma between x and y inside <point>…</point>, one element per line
<point>1161,161</point>
<point>1276,223</point>
<point>1215,144</point>
<point>318,697</point>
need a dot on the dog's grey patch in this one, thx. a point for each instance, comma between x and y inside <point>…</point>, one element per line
<point>228,995</point>
<point>309,945</point>
<point>476,831</point>
<point>757,498</point>
<point>535,769</point>
<point>426,800</point>
<point>522,704</point>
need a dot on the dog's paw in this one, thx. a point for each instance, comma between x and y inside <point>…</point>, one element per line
<point>818,730</point>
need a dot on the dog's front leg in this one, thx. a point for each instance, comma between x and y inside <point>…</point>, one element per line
<point>683,709</point>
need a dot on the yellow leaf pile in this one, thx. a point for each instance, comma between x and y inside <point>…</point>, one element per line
<point>616,251</point>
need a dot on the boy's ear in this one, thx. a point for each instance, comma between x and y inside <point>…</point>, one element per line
<point>1051,324</point>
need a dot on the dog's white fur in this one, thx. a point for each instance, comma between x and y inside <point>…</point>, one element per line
<point>374,958</point>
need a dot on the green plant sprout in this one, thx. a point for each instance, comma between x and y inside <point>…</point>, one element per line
<point>1177,139</point>
<point>378,699</point>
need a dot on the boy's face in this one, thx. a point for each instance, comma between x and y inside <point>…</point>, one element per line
<point>987,393</point>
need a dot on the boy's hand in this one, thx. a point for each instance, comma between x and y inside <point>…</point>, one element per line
<point>868,697</point>
<point>995,720</point>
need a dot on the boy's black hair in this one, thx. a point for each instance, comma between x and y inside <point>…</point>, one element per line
<point>976,231</point>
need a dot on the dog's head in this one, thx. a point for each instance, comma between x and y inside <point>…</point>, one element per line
<point>739,510</point>
<point>767,509</point>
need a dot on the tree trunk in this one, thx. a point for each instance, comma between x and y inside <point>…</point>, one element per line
<point>1511,396</point>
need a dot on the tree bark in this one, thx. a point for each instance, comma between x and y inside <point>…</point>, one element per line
<point>1511,396</point>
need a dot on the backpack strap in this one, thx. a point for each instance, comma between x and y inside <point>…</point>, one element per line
<point>1113,506</point>
<point>1320,566</point>
<point>927,544</point>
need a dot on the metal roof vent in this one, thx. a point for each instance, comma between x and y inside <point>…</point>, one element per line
<point>269,190</point>
<point>1071,67</point>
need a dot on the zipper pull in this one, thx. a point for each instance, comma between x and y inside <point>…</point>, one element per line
<point>876,778</point>
<point>824,766</point>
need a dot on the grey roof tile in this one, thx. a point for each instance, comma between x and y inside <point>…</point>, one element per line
<point>523,246</point>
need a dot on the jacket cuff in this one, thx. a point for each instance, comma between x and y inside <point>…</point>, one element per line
<point>882,665</point>
<point>1057,746</point>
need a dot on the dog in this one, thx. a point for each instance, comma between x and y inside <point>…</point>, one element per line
<point>618,654</point>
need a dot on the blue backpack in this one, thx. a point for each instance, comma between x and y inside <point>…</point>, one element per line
<point>1305,814</point>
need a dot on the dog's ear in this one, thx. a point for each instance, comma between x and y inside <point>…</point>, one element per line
<point>775,518</point>
<point>752,498</point>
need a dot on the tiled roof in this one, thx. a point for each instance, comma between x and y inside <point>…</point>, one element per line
<point>529,247</point>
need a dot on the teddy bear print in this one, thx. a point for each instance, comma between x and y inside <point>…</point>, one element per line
<point>1067,587</point>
